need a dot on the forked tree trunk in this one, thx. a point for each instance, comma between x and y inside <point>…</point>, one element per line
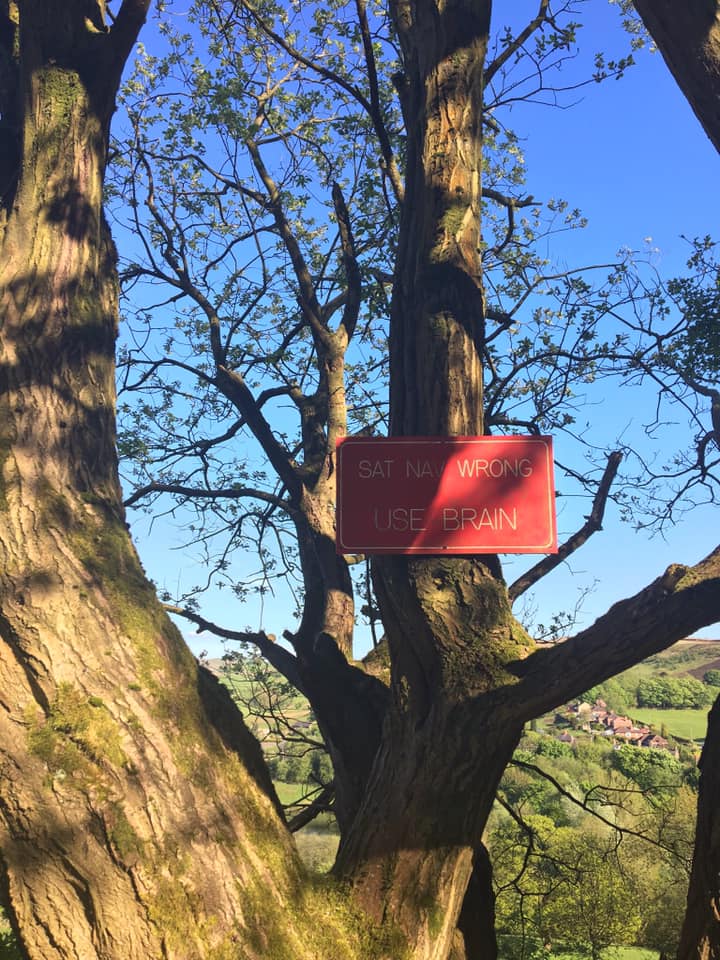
<point>464,675</point>
<point>450,732</point>
<point>450,630</point>
<point>136,817</point>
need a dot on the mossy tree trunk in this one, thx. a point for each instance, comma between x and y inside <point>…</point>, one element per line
<point>448,622</point>
<point>465,677</point>
<point>136,818</point>
<point>700,938</point>
<point>688,36</point>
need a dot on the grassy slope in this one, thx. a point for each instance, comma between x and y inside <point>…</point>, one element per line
<point>686,724</point>
<point>688,657</point>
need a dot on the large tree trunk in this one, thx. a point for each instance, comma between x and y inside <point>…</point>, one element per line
<point>450,732</point>
<point>450,629</point>
<point>688,37</point>
<point>700,938</point>
<point>465,676</point>
<point>136,816</point>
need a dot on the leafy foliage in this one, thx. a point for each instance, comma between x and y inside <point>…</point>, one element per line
<point>584,856</point>
<point>239,121</point>
<point>673,692</point>
<point>652,770</point>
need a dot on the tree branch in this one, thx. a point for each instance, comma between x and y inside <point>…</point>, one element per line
<point>592,524</point>
<point>369,106</point>
<point>233,386</point>
<point>308,297</point>
<point>589,805</point>
<point>511,204</point>
<point>374,108</point>
<point>672,607</point>
<point>349,257</point>
<point>502,58</point>
<point>278,656</point>
<point>125,29</point>
<point>196,493</point>
<point>321,804</point>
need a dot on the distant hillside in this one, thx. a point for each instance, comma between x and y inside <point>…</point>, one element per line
<point>691,657</point>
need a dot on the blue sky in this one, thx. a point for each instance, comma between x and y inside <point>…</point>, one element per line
<point>631,155</point>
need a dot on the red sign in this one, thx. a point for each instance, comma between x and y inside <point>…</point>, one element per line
<point>455,495</point>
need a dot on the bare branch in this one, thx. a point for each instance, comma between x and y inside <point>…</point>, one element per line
<point>322,803</point>
<point>308,298</point>
<point>352,271</point>
<point>518,41</point>
<point>511,204</point>
<point>592,524</point>
<point>280,658</point>
<point>589,804</point>
<point>375,110</point>
<point>203,493</point>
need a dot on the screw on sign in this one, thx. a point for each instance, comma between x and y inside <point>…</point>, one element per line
<point>454,495</point>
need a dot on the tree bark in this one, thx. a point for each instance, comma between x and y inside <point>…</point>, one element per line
<point>135,811</point>
<point>464,675</point>
<point>700,937</point>
<point>437,317</point>
<point>449,734</point>
<point>688,37</point>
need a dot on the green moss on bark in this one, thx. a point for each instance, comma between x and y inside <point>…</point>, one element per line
<point>5,450</point>
<point>321,921</point>
<point>126,842</point>
<point>78,738</point>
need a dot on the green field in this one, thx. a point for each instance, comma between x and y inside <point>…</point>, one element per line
<point>318,842</point>
<point>288,792</point>
<point>611,953</point>
<point>686,724</point>
<point>556,953</point>
<point>317,848</point>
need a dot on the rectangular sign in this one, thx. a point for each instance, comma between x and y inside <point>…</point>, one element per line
<point>456,495</point>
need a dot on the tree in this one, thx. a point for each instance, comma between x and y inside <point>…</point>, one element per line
<point>699,937</point>
<point>588,906</point>
<point>689,40</point>
<point>416,762</point>
<point>140,822</point>
<point>607,864</point>
<point>673,693</point>
<point>132,798</point>
<point>654,771</point>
